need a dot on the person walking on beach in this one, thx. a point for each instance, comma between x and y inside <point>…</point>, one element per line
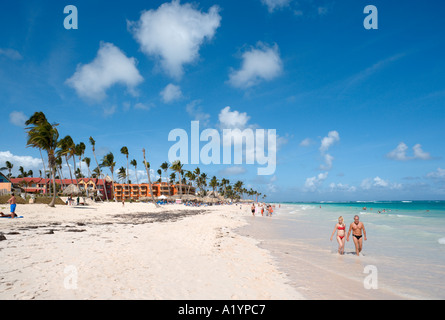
<point>357,227</point>
<point>340,227</point>
<point>253,209</point>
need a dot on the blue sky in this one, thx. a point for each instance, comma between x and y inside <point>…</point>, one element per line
<point>359,113</point>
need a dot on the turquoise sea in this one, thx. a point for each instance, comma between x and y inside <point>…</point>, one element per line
<point>405,244</point>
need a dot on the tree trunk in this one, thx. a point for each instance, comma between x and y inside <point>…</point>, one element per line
<point>149,180</point>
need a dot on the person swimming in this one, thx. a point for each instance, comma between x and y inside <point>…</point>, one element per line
<point>340,227</point>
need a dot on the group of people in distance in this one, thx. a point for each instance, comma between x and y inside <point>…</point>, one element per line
<point>358,231</point>
<point>260,209</point>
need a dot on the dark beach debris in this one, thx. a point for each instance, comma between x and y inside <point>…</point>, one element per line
<point>2,237</point>
<point>76,230</point>
<point>167,216</point>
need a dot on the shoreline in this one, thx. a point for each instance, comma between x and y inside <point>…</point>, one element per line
<point>107,251</point>
<point>298,239</point>
<point>315,278</point>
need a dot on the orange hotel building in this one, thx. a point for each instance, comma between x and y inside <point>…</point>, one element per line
<point>136,191</point>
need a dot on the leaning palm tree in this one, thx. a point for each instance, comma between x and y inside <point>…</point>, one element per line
<point>93,144</point>
<point>36,119</point>
<point>45,136</point>
<point>108,161</point>
<point>124,150</point>
<point>149,179</point>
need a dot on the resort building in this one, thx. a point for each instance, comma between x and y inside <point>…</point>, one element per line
<point>42,186</point>
<point>5,184</point>
<point>137,191</point>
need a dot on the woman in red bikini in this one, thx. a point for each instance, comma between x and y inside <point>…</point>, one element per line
<point>340,227</point>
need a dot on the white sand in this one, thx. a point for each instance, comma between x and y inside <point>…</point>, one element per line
<point>195,257</point>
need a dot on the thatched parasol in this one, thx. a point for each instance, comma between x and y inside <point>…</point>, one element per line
<point>72,190</point>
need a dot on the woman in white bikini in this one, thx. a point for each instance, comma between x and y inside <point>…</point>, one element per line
<point>340,227</point>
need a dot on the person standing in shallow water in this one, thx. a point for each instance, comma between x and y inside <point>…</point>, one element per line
<point>340,227</point>
<point>357,227</point>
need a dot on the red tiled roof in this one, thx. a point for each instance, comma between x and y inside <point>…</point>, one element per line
<point>58,181</point>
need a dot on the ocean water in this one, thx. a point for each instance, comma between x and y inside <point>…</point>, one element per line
<point>405,245</point>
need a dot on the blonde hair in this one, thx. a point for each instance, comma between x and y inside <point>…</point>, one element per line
<point>340,220</point>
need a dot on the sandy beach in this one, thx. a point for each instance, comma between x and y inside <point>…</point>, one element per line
<point>136,251</point>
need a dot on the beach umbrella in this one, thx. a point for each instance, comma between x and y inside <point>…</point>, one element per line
<point>71,190</point>
<point>162,197</point>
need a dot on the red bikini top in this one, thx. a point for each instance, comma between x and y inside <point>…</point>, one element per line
<point>341,228</point>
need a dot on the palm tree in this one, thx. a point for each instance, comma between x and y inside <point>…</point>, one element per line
<point>134,163</point>
<point>59,169</point>
<point>80,150</point>
<point>93,144</point>
<point>224,184</point>
<point>146,164</point>
<point>177,167</point>
<point>214,183</point>
<point>165,167</point>
<point>122,174</point>
<point>124,150</point>
<point>108,161</point>
<point>238,186</point>
<point>192,177</point>
<point>8,167</point>
<point>159,171</point>
<point>64,146</point>
<point>87,162</point>
<point>45,136</point>
<point>36,119</point>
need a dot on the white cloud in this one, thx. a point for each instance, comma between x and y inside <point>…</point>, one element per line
<point>399,153</point>
<point>326,143</point>
<point>328,159</point>
<point>232,119</point>
<point>342,187</point>
<point>313,183</point>
<point>27,162</point>
<point>174,34</point>
<point>306,142</point>
<point>171,93</point>
<point>11,54</point>
<point>261,63</point>
<point>439,173</point>
<point>378,182</point>
<point>419,153</point>
<point>275,4</point>
<point>18,118</point>
<point>111,66</point>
